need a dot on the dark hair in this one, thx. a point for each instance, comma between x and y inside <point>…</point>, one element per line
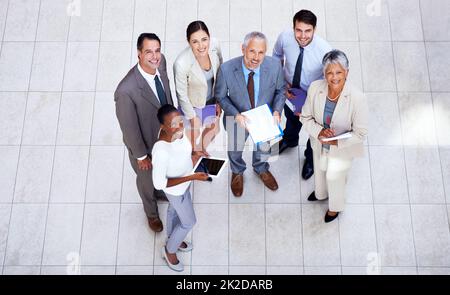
<point>143,36</point>
<point>195,26</point>
<point>305,16</point>
<point>164,111</point>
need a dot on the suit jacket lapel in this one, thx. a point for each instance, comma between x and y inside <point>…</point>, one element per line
<point>263,82</point>
<point>322,97</point>
<point>146,91</point>
<point>240,79</point>
<point>342,102</point>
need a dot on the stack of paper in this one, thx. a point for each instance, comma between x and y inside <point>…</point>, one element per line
<point>342,136</point>
<point>261,125</point>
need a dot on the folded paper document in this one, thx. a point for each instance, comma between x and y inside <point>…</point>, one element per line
<point>342,136</point>
<point>261,125</point>
<point>296,103</point>
<point>207,113</point>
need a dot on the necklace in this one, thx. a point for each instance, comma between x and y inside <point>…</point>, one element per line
<point>336,98</point>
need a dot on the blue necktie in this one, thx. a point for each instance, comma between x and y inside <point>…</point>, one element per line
<point>298,70</point>
<point>160,90</point>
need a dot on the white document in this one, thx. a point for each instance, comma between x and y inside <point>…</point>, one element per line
<point>261,125</point>
<point>342,136</point>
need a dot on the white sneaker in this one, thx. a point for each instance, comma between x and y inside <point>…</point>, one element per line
<point>176,267</point>
<point>187,249</point>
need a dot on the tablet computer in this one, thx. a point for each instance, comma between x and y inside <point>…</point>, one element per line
<point>212,166</point>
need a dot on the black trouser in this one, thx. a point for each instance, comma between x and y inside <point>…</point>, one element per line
<point>293,127</point>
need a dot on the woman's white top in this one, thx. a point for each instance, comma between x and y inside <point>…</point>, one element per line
<point>171,160</point>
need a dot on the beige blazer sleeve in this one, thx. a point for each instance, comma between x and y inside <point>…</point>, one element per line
<point>359,118</point>
<point>181,69</point>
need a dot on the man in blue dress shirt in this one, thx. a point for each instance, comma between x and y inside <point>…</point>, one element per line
<point>300,52</point>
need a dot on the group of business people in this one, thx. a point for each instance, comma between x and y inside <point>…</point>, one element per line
<point>164,142</point>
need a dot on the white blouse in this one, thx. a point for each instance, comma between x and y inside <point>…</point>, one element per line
<point>171,160</point>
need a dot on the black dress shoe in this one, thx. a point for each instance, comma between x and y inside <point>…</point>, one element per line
<point>282,146</point>
<point>329,218</point>
<point>307,170</point>
<point>312,197</point>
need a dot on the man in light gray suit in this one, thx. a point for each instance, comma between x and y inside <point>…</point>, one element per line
<point>138,97</point>
<point>244,83</point>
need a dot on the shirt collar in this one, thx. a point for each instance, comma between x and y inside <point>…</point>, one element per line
<point>247,71</point>
<point>146,75</point>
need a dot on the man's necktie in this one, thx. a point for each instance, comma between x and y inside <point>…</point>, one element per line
<point>251,89</point>
<point>160,90</point>
<point>298,70</point>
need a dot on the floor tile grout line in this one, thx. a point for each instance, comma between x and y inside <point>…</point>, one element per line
<point>120,212</point>
<point>226,142</point>
<point>121,145</point>
<point>112,90</point>
<point>433,106</point>
<point>191,254</point>
<point>325,20</point>
<point>4,28</point>
<point>233,41</point>
<point>301,206</point>
<point>264,190</point>
<point>258,203</point>
<point>435,123</point>
<point>155,250</point>
<point>368,155</point>
<point>56,135</point>
<point>22,131</point>
<point>90,147</point>
<point>123,149</point>
<point>225,265</point>
<point>18,157</point>
<point>403,147</point>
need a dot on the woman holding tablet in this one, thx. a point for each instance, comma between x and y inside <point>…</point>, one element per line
<point>172,160</point>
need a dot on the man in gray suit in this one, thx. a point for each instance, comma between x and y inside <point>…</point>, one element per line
<point>138,97</point>
<point>244,83</point>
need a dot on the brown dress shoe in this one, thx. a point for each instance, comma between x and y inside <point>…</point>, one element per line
<point>269,180</point>
<point>237,184</point>
<point>155,224</point>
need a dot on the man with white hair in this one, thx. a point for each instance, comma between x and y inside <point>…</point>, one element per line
<point>244,83</point>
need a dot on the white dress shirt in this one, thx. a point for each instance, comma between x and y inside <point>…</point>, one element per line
<point>151,79</point>
<point>172,160</point>
<point>151,82</point>
<point>287,48</point>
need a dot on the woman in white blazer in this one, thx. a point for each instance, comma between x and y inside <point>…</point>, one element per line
<point>333,107</point>
<point>195,70</point>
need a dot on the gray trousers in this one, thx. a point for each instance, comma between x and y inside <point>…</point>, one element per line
<point>236,144</point>
<point>144,183</point>
<point>180,220</point>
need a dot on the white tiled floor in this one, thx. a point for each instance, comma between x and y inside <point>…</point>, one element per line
<point>59,134</point>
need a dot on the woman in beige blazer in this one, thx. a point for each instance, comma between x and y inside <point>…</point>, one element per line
<point>333,107</point>
<point>195,71</point>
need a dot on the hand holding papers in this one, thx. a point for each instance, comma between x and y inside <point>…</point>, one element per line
<point>342,136</point>
<point>261,125</point>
